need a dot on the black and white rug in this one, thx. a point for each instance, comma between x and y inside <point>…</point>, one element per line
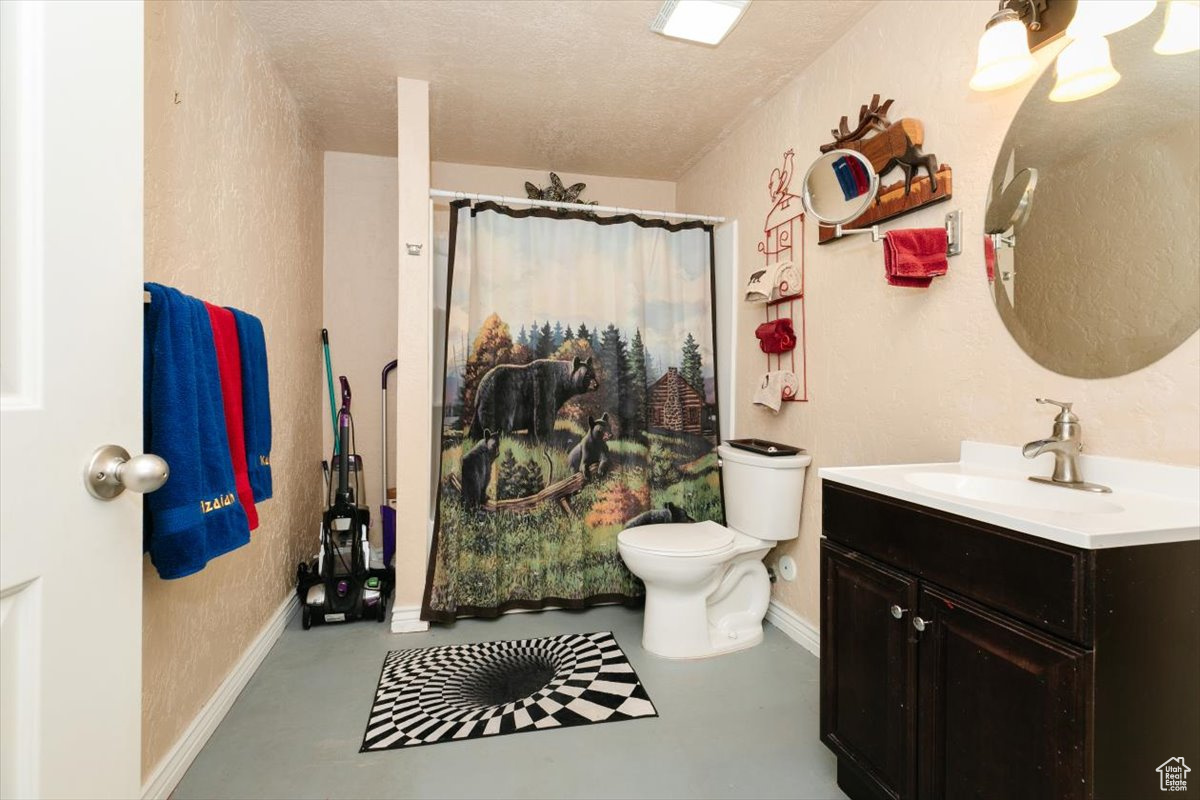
<point>466,691</point>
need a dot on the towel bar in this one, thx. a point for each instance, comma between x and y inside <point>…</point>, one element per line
<point>953,232</point>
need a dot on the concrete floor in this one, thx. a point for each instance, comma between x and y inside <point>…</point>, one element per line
<point>742,725</point>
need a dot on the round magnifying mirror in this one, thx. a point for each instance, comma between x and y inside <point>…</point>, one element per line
<point>1011,203</point>
<point>839,186</point>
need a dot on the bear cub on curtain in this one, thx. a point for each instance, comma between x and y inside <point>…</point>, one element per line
<point>477,469</point>
<point>514,397</point>
<point>658,516</point>
<point>592,449</point>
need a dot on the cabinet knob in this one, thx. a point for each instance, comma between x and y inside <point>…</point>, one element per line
<point>898,612</point>
<point>919,623</point>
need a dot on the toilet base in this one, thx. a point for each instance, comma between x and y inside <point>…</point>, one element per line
<point>720,643</point>
<point>721,617</point>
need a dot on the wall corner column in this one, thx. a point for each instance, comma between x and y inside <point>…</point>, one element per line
<point>413,354</point>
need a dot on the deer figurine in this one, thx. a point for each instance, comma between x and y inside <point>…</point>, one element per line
<point>895,144</point>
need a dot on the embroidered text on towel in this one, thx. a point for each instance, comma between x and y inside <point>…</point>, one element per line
<point>216,503</point>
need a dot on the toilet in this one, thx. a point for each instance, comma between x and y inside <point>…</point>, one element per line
<point>707,588</point>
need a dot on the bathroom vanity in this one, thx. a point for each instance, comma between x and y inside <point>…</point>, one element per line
<point>986,636</point>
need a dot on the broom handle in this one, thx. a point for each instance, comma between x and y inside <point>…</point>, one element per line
<point>329,379</point>
<point>383,498</point>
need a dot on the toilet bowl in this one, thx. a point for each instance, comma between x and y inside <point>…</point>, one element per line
<point>707,589</point>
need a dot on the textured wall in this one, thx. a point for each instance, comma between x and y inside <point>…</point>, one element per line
<point>902,375</point>
<point>233,215</point>
<point>510,181</point>
<point>361,298</point>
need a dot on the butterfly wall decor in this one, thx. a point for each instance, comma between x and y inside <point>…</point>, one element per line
<point>557,192</point>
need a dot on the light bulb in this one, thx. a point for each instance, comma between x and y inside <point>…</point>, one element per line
<point>1102,17</point>
<point>1084,69</point>
<point>1004,57</point>
<point>1181,31</point>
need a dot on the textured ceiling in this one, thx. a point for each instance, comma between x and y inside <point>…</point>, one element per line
<point>575,85</point>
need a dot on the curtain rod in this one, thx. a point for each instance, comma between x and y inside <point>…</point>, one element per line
<point>495,198</point>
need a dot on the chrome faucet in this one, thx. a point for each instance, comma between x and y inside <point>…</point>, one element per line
<point>1066,443</point>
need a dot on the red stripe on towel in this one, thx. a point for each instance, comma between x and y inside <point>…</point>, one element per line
<point>229,363</point>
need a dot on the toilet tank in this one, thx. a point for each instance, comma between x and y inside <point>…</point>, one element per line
<point>763,494</point>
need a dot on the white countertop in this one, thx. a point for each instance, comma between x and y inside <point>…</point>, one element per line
<point>1150,503</point>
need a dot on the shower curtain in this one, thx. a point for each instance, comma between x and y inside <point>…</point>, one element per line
<point>580,399</point>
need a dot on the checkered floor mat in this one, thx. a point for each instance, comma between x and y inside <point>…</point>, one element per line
<point>466,691</point>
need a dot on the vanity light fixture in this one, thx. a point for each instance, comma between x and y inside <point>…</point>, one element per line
<point>704,21</point>
<point>1102,17</point>
<point>1004,57</point>
<point>1084,69</point>
<point>1181,31</point>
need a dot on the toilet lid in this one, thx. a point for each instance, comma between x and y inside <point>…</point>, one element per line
<point>679,538</point>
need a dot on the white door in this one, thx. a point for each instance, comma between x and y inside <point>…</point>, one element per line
<point>70,381</point>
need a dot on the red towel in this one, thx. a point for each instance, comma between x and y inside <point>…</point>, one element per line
<point>776,336</point>
<point>989,257</point>
<point>862,181</point>
<point>914,257</point>
<point>229,363</point>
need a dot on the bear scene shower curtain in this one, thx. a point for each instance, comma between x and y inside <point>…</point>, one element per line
<point>580,400</point>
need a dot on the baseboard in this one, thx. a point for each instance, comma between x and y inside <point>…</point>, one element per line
<point>407,619</point>
<point>794,627</point>
<point>175,763</point>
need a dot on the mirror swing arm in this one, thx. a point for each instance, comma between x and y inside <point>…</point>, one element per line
<point>953,234</point>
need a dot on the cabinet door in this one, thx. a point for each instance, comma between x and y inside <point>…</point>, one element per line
<point>868,669</point>
<point>1003,709</point>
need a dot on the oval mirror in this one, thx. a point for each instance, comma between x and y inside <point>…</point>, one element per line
<point>839,186</point>
<point>1101,276</point>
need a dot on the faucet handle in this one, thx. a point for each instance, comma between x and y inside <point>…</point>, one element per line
<point>1046,401</point>
<point>1064,416</point>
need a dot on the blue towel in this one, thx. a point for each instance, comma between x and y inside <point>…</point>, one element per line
<point>196,515</point>
<point>845,177</point>
<point>256,402</point>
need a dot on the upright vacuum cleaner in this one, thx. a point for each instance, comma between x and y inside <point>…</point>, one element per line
<point>339,584</point>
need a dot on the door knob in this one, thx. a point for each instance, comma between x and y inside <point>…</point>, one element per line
<point>898,612</point>
<point>112,471</point>
<point>919,623</point>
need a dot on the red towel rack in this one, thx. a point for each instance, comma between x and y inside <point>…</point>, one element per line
<point>783,222</point>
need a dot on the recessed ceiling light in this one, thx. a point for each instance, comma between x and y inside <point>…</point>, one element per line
<point>704,21</point>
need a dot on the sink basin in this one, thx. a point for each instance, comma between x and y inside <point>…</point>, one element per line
<point>1015,491</point>
<point>1150,503</point>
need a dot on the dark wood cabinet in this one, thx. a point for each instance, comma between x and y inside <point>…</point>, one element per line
<point>996,693</point>
<point>868,703</point>
<point>1016,667</point>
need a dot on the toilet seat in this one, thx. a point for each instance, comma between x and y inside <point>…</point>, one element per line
<point>679,539</point>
